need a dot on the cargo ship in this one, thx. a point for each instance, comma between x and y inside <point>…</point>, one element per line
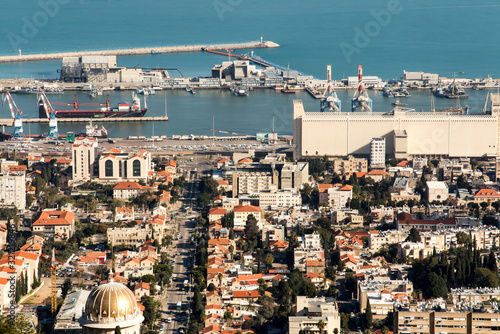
<point>105,111</point>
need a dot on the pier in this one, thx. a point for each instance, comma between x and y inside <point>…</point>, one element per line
<point>139,51</point>
<point>9,121</point>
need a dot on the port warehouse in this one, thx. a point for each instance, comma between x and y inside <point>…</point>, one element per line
<point>407,133</point>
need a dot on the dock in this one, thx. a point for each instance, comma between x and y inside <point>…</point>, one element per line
<point>314,92</point>
<point>9,121</point>
<point>139,51</point>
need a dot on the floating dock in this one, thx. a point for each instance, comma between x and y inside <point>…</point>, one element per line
<point>9,122</point>
<point>139,51</point>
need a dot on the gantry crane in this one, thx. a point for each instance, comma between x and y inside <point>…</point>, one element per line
<point>16,116</point>
<point>53,280</point>
<point>330,99</point>
<point>361,99</point>
<point>51,115</point>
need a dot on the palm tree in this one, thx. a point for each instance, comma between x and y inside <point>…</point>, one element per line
<point>220,280</point>
<point>321,326</point>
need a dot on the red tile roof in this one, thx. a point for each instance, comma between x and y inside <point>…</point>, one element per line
<point>55,218</point>
<point>217,211</point>
<point>127,185</point>
<point>246,208</point>
<point>246,294</point>
<point>485,192</point>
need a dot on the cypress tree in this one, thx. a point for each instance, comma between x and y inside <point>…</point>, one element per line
<point>369,315</point>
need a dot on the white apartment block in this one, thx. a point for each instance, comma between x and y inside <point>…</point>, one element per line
<point>377,239</point>
<point>130,236</point>
<point>350,165</point>
<point>255,182</point>
<point>377,151</point>
<point>84,157</point>
<point>13,190</point>
<point>279,199</point>
<point>336,196</point>
<point>310,311</point>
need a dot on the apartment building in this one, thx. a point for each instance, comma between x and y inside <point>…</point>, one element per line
<point>350,165</point>
<point>335,195</point>
<point>55,223</point>
<point>310,311</point>
<point>13,190</point>
<point>84,152</point>
<point>129,236</point>
<point>279,199</point>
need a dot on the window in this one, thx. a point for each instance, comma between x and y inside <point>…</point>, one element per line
<point>136,168</point>
<point>109,168</point>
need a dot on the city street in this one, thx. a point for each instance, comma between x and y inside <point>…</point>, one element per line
<point>183,261</point>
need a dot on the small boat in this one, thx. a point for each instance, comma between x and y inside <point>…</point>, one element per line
<point>241,91</point>
<point>398,103</point>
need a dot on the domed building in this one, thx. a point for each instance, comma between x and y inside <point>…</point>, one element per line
<point>109,305</point>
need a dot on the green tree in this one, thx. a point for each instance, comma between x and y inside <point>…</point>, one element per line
<point>66,287</point>
<point>463,238</point>
<point>436,286</point>
<point>369,315</point>
<point>483,277</point>
<point>321,326</point>
<point>251,228</point>
<point>118,330</point>
<point>16,325</point>
<point>414,235</point>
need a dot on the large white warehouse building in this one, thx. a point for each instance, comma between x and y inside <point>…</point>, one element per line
<point>407,133</point>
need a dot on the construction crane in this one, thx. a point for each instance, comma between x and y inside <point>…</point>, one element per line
<point>330,99</point>
<point>16,116</point>
<point>53,279</point>
<point>361,99</point>
<point>51,115</point>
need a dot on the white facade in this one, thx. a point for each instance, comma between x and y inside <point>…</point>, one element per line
<point>407,133</point>
<point>13,190</point>
<point>84,155</point>
<point>377,151</point>
<point>280,199</point>
<point>310,311</point>
<point>436,191</point>
<point>118,166</point>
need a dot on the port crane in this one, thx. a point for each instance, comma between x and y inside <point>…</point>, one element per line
<point>330,99</point>
<point>75,103</point>
<point>16,116</point>
<point>51,115</point>
<point>361,99</point>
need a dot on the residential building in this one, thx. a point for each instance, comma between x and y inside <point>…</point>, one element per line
<point>310,311</point>
<point>377,151</point>
<point>241,212</point>
<point>129,236</point>
<point>294,175</point>
<point>486,195</point>
<point>141,289</point>
<point>126,190</point>
<point>344,216</point>
<point>438,316</point>
<point>53,223</point>
<point>279,199</point>
<point>383,295</point>
<point>216,214</point>
<point>13,190</point>
<point>336,196</point>
<point>377,239</point>
<point>84,152</point>
<point>67,319</point>
<point>350,165</point>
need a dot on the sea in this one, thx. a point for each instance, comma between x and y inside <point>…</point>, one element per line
<point>385,36</point>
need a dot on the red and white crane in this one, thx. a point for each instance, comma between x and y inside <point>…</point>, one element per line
<point>16,115</point>
<point>361,99</point>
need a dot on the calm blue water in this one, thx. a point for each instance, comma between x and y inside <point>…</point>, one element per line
<point>444,37</point>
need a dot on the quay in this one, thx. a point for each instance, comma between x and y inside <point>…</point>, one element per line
<point>9,121</point>
<point>139,51</point>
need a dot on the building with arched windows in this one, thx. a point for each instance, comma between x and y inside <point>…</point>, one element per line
<point>116,165</point>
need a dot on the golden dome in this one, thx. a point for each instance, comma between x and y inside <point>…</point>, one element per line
<point>111,302</point>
